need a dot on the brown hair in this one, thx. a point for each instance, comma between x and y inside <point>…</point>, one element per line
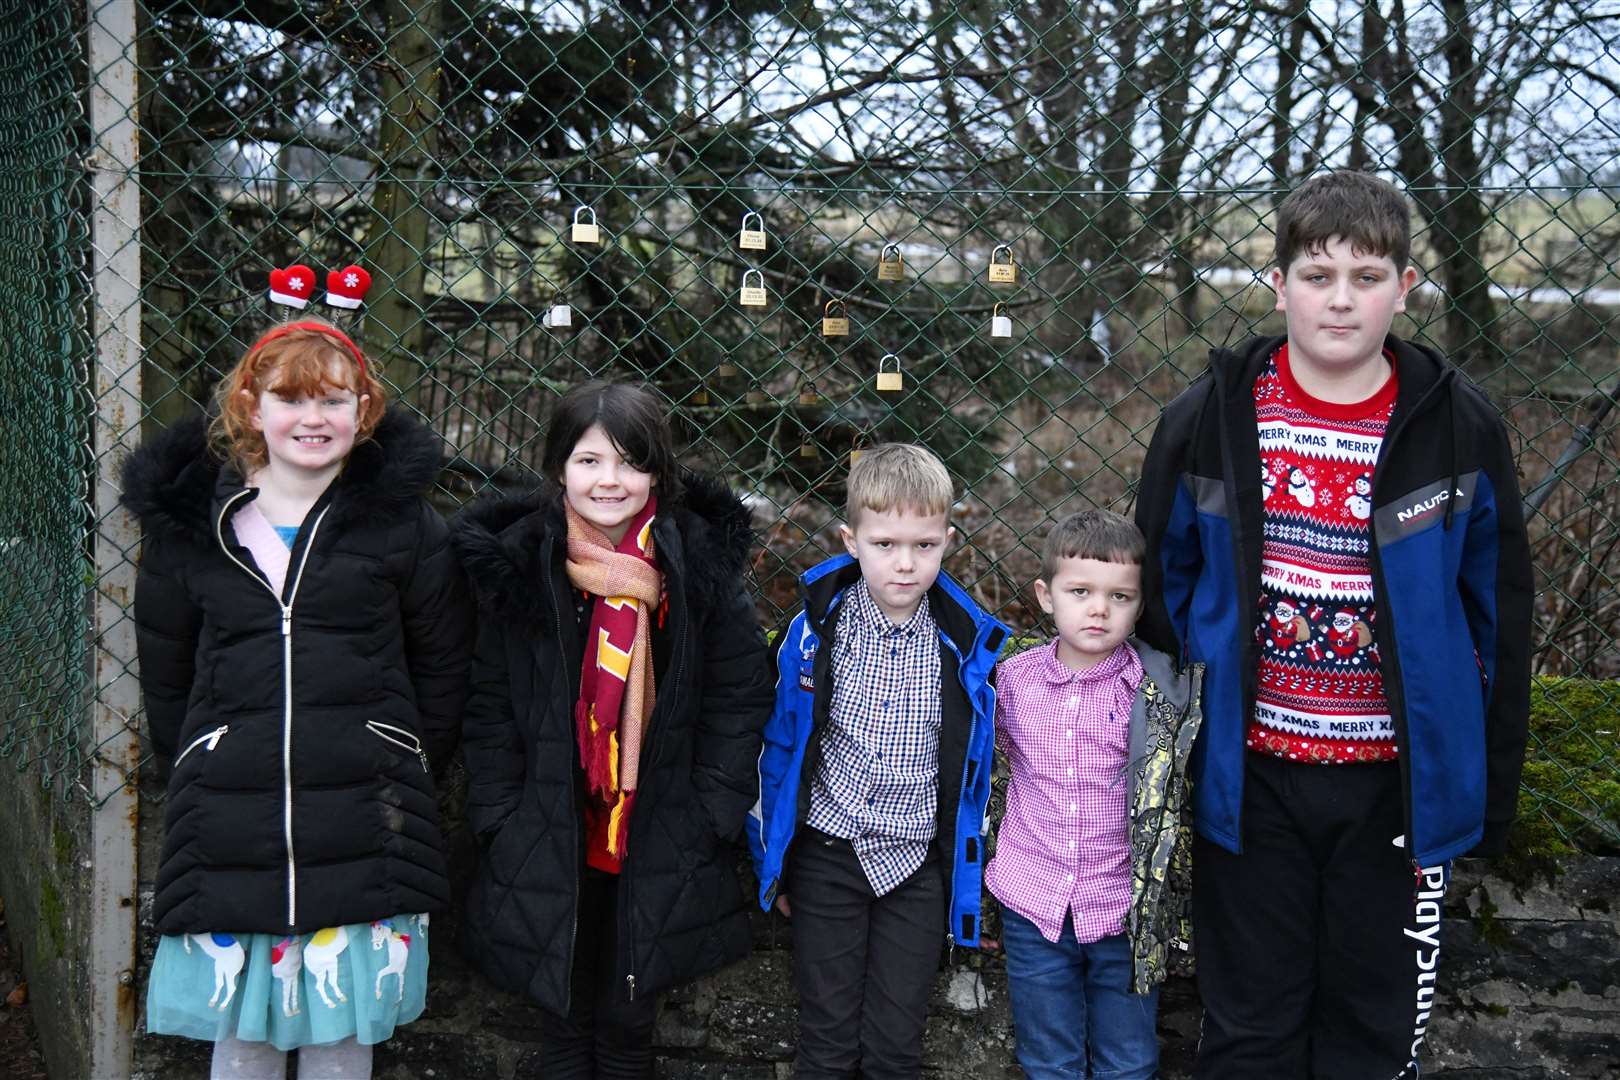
<point>1092,534</point>
<point>1357,206</point>
<point>303,359</point>
<point>897,476</point>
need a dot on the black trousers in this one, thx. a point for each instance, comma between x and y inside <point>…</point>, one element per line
<point>1319,945</point>
<point>863,964</point>
<point>605,1035</point>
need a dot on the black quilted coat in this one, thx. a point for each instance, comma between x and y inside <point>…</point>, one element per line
<point>299,729</point>
<point>681,908</point>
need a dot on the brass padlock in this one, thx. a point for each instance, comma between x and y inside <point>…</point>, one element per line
<point>891,264</point>
<point>808,396</point>
<point>835,325</point>
<point>854,456</point>
<point>700,396</point>
<point>809,450</point>
<point>1003,271</point>
<point>1000,325</point>
<point>586,232</point>
<point>726,370</point>
<point>756,396</point>
<point>889,381</point>
<point>753,295</point>
<point>752,239</point>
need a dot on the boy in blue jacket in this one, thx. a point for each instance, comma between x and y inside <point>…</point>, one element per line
<point>1334,530</point>
<point>876,770</point>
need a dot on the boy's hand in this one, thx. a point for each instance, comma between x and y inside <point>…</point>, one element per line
<point>784,907</point>
<point>989,944</point>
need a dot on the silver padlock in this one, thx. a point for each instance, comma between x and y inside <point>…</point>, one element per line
<point>1000,325</point>
<point>559,315</point>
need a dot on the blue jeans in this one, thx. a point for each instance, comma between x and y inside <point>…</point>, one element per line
<point>1072,1006</point>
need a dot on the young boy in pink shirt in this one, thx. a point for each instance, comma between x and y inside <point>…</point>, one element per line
<point>1091,866</point>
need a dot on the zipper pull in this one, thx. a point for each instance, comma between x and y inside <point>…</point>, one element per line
<point>950,950</point>
<point>421,755</point>
<point>286,622</point>
<point>214,737</point>
<point>631,980</point>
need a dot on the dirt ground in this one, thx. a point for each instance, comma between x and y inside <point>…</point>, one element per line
<point>20,1058</point>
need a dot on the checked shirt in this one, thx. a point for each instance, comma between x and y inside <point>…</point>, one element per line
<point>1062,845</point>
<point>877,784</point>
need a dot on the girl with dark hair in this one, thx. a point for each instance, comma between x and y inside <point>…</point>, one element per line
<point>620,686</point>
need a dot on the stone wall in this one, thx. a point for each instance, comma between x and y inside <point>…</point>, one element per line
<point>1530,990</point>
<point>44,878</point>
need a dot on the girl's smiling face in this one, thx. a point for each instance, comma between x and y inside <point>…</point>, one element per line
<point>602,487</point>
<point>309,430</point>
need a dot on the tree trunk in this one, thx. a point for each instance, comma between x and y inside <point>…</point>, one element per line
<point>396,248</point>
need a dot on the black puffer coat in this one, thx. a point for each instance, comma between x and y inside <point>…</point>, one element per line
<point>300,728</point>
<point>681,909</point>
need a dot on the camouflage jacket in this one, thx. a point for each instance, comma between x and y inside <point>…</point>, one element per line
<point>1164,722</point>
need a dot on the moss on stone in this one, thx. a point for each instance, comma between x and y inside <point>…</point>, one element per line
<point>1569,799</point>
<point>52,918</point>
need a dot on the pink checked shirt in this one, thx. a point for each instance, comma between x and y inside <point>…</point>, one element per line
<point>1062,845</point>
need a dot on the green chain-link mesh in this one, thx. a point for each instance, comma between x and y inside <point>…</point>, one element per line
<point>45,572</point>
<point>1128,158</point>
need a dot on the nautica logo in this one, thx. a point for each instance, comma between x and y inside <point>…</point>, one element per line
<point>1423,506</point>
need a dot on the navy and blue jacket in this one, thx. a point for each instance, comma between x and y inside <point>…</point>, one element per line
<point>969,642</point>
<point>1451,578</point>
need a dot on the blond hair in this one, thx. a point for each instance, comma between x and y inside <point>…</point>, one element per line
<point>897,476</point>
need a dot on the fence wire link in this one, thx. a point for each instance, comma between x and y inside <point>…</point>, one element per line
<point>1125,159</point>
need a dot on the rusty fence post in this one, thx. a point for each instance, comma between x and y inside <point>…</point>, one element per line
<point>115,381</point>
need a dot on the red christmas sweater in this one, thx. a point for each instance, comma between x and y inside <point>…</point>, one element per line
<point>1321,695</point>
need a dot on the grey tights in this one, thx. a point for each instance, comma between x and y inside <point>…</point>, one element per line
<point>235,1059</point>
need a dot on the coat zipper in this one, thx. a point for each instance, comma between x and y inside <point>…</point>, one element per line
<point>286,685</point>
<point>210,738</point>
<point>398,738</point>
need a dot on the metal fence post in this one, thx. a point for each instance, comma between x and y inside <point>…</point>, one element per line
<point>116,320</point>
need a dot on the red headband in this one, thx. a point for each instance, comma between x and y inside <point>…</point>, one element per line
<point>321,328</point>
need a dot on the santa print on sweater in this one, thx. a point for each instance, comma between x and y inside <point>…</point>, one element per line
<point>1321,695</point>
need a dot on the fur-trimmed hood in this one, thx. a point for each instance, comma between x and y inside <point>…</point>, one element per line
<point>175,482</point>
<point>502,541</point>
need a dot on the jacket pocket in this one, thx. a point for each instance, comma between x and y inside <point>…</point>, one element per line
<point>400,738</point>
<point>206,741</point>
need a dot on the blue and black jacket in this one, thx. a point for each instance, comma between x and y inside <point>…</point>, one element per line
<point>969,642</point>
<point>1451,578</point>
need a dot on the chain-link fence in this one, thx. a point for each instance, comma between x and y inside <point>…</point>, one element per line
<point>1034,219</point>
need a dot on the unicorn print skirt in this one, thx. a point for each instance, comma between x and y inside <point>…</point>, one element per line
<point>303,990</point>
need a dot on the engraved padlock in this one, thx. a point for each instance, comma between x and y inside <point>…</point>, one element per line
<point>559,315</point>
<point>1000,325</point>
<point>835,325</point>
<point>726,370</point>
<point>808,395</point>
<point>585,232</point>
<point>889,378</point>
<point>1003,271</point>
<point>753,295</point>
<point>891,264</point>
<point>752,239</point>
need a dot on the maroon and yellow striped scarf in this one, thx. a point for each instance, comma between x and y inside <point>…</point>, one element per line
<point>616,682</point>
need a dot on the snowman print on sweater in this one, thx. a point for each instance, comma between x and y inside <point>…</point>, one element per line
<point>1301,488</point>
<point>1360,501</point>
